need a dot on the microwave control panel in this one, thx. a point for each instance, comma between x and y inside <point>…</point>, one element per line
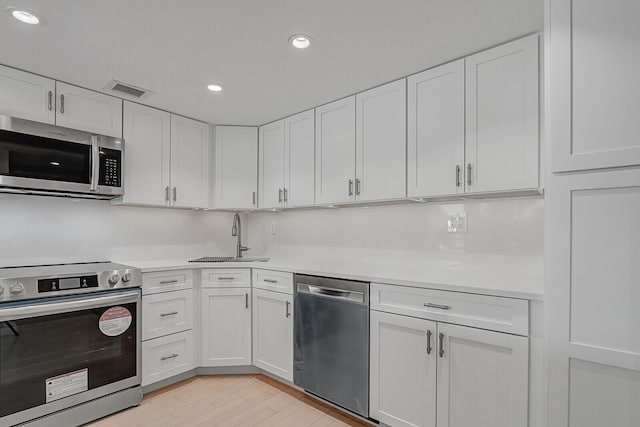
<point>110,167</point>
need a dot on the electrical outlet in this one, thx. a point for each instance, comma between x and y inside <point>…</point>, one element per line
<point>274,229</point>
<point>457,222</point>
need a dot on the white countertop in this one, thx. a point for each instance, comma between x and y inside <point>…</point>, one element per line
<point>505,276</point>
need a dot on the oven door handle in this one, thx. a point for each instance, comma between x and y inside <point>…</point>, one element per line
<point>48,308</point>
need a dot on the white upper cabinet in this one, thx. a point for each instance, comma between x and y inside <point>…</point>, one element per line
<point>595,65</point>
<point>482,378</point>
<point>299,140</point>
<point>27,96</point>
<point>147,155</point>
<point>272,165</point>
<point>86,110</point>
<point>403,370</point>
<point>335,151</point>
<point>502,118</point>
<point>190,153</point>
<point>435,130</point>
<point>236,167</point>
<point>381,143</point>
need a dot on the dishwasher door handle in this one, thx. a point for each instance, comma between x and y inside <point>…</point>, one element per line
<point>340,294</point>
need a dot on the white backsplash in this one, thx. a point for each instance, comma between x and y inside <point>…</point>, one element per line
<point>500,227</point>
<point>37,230</point>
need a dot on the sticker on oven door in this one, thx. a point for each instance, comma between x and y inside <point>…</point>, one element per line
<point>66,385</point>
<point>115,321</point>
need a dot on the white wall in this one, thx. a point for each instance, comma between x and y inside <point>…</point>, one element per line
<point>48,229</point>
<point>502,227</point>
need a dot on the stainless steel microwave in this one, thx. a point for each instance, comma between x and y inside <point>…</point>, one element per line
<point>38,158</point>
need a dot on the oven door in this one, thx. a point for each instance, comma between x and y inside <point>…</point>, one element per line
<point>60,352</point>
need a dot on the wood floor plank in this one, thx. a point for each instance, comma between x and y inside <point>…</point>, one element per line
<point>229,401</point>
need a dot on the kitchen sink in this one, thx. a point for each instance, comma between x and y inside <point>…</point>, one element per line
<point>229,259</point>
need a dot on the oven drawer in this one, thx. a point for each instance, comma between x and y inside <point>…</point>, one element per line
<point>164,281</point>
<point>166,356</point>
<point>509,315</point>
<point>226,278</point>
<point>269,280</point>
<point>166,313</point>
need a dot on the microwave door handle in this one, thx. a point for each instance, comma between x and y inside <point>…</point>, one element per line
<point>48,308</point>
<point>95,163</point>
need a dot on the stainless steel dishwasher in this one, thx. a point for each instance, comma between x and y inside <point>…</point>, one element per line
<point>331,345</point>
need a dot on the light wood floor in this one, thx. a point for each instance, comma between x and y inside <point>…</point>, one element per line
<point>233,400</point>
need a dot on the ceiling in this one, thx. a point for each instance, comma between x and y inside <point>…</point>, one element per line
<point>175,47</point>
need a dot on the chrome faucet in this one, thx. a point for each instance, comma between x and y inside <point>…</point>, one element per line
<point>236,230</point>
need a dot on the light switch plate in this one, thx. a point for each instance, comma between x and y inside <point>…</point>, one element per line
<point>274,228</point>
<point>457,222</point>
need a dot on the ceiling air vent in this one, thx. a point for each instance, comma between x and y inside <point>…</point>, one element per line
<point>127,89</point>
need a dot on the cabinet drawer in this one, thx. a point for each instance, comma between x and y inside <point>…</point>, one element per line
<point>164,281</point>
<point>278,281</point>
<point>166,356</point>
<point>481,311</point>
<point>167,313</point>
<point>226,278</point>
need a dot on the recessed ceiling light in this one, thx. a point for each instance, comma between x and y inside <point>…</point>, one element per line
<point>24,16</point>
<point>300,41</point>
<point>214,87</point>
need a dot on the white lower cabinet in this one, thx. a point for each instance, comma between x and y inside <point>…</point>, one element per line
<point>166,313</point>
<point>482,378</point>
<point>273,332</point>
<point>166,356</point>
<point>403,370</point>
<point>429,373</point>
<point>226,326</point>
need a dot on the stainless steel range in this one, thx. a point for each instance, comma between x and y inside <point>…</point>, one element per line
<point>69,343</point>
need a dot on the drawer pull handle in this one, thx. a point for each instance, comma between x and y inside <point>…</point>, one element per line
<point>441,307</point>
<point>270,281</point>
<point>441,336</point>
<point>168,282</point>
<point>171,313</point>
<point>226,278</point>
<point>172,356</point>
<point>429,342</point>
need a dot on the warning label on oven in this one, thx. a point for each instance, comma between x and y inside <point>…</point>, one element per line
<point>115,321</point>
<point>66,385</point>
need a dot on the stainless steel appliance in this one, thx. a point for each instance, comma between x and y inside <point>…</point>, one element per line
<point>37,158</point>
<point>331,340</point>
<point>70,343</point>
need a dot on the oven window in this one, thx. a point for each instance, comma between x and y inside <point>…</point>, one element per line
<point>36,349</point>
<point>28,156</point>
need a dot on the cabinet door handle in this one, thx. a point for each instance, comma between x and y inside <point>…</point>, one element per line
<point>166,193</point>
<point>286,195</point>
<point>171,356</point>
<point>457,175</point>
<point>62,104</point>
<point>270,281</point>
<point>171,313</point>
<point>350,187</point>
<point>168,282</point>
<point>279,195</point>
<point>357,186</point>
<point>175,193</point>
<point>50,100</point>
<point>441,307</point>
<point>246,300</point>
<point>429,342</point>
<point>468,173</point>
<point>441,344</point>
<point>253,199</point>
<point>287,313</point>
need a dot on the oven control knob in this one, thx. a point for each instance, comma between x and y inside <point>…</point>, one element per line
<point>113,279</point>
<point>16,288</point>
<point>126,277</point>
